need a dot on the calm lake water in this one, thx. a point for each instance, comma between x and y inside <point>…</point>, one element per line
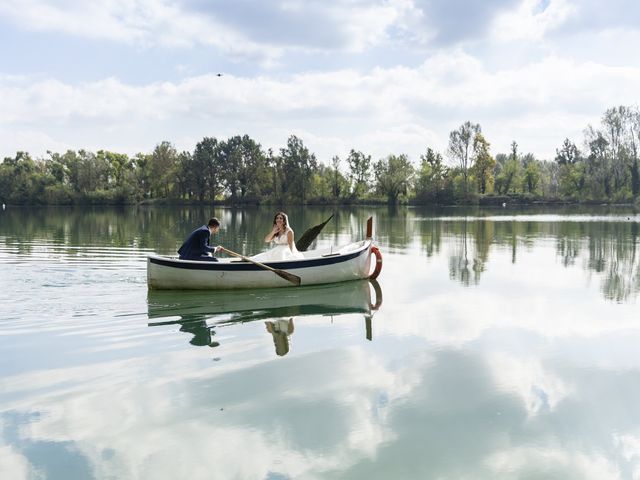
<point>498,344</point>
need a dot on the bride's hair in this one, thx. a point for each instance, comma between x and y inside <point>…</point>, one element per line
<point>285,221</point>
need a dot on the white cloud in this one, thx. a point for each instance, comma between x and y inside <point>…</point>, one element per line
<point>142,23</point>
<point>139,423</point>
<point>629,446</point>
<point>530,21</point>
<point>13,464</point>
<point>540,389</point>
<point>551,462</point>
<point>399,110</point>
<point>262,31</point>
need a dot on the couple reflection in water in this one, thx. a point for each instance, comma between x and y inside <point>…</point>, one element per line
<point>202,333</point>
<point>280,329</point>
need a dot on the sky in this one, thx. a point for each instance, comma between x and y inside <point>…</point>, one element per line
<point>383,77</point>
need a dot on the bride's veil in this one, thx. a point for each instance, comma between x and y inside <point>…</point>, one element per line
<point>286,221</point>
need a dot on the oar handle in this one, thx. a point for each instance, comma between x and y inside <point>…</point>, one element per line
<point>290,277</point>
<point>246,259</point>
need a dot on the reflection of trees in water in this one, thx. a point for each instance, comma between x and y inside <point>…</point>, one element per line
<point>568,250</point>
<point>430,236</point>
<point>459,261</point>
<point>611,251</point>
<point>395,227</point>
<point>608,248</point>
<point>614,254</point>
<point>471,255</point>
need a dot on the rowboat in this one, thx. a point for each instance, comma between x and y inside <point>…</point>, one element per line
<point>320,266</point>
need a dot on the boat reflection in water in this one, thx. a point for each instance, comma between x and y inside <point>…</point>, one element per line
<point>200,313</point>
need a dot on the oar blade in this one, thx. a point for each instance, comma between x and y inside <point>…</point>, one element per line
<point>310,235</point>
<point>288,276</point>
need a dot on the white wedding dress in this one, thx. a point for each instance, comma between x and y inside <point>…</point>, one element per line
<point>280,251</point>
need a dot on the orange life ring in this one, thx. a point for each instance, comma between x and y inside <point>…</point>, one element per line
<point>376,271</point>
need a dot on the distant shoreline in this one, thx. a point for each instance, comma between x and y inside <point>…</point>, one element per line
<point>486,201</point>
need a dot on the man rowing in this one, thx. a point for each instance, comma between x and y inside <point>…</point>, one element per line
<point>196,246</point>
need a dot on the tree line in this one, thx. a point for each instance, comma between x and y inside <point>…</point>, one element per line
<point>239,171</point>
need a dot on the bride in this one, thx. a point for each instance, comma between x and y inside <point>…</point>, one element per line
<point>281,236</point>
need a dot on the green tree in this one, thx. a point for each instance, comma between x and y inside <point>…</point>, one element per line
<point>141,165</point>
<point>431,182</point>
<point>571,179</point>
<point>206,176</point>
<point>19,179</point>
<point>461,148</point>
<point>163,165</point>
<point>298,164</point>
<point>531,175</point>
<point>118,164</point>
<point>339,184</point>
<point>634,140</point>
<point>359,173</point>
<point>614,123</point>
<point>57,168</point>
<point>568,154</point>
<point>185,177</point>
<point>483,164</point>
<point>273,188</point>
<point>394,176</point>
<point>244,167</point>
<point>321,183</point>
<point>571,169</point>
<point>598,163</point>
<point>509,177</point>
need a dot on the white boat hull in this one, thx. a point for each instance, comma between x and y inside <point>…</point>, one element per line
<point>350,262</point>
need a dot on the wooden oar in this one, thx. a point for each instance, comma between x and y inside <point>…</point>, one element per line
<point>281,273</point>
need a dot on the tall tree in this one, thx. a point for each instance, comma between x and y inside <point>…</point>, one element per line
<point>483,164</point>
<point>163,166</point>
<point>359,172</point>
<point>531,175</point>
<point>142,174</point>
<point>461,147</point>
<point>338,183</point>
<point>508,171</point>
<point>207,173</point>
<point>430,183</point>
<point>598,164</point>
<point>614,122</point>
<point>634,139</point>
<point>274,167</point>
<point>297,165</point>
<point>18,181</point>
<point>118,164</point>
<point>185,175</point>
<point>568,153</point>
<point>244,166</point>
